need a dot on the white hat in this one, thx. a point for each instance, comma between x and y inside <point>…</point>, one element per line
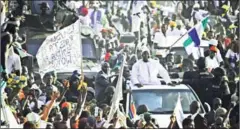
<point>196,5</point>
<point>33,117</point>
<point>35,87</point>
<point>145,49</point>
<point>213,42</point>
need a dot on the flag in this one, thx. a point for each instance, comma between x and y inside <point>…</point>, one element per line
<point>117,97</point>
<point>132,109</point>
<point>193,39</point>
<point>22,53</point>
<point>178,112</point>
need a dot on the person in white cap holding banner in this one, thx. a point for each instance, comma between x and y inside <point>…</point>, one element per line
<point>147,70</point>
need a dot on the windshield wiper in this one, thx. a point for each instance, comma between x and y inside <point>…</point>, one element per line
<point>161,112</point>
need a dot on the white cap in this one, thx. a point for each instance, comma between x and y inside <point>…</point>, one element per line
<point>196,5</point>
<point>33,117</point>
<point>145,49</point>
<point>35,87</point>
<point>213,42</point>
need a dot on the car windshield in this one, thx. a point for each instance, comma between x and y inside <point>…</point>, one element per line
<point>88,50</point>
<point>163,101</point>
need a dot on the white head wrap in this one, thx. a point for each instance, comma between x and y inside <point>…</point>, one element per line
<point>213,42</point>
<point>145,49</point>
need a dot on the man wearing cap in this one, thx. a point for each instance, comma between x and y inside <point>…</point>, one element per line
<point>196,15</point>
<point>211,60</point>
<point>172,31</point>
<point>84,19</point>
<point>213,44</point>
<point>146,71</point>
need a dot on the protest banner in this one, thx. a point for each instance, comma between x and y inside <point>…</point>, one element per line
<point>61,50</point>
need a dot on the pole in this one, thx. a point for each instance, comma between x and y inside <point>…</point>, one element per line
<point>169,48</point>
<point>83,2</point>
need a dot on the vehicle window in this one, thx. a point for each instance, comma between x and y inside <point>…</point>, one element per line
<point>88,50</point>
<point>163,101</point>
<point>32,48</point>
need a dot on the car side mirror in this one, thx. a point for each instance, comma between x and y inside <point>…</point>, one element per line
<point>207,107</point>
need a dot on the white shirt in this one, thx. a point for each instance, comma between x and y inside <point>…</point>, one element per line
<point>40,104</point>
<point>85,20</point>
<point>13,63</point>
<point>219,57</point>
<point>137,6</point>
<point>212,63</point>
<point>3,13</point>
<point>181,32</point>
<point>118,23</point>
<point>231,55</point>
<point>124,4</point>
<point>174,32</point>
<point>197,15</point>
<point>147,72</point>
<point>97,25</point>
<point>160,39</point>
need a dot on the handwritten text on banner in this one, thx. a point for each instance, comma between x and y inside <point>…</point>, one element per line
<point>61,50</point>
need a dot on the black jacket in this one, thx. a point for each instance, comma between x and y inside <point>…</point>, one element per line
<point>101,83</point>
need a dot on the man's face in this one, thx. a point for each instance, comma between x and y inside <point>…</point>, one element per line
<point>217,104</point>
<point>105,68</point>
<point>164,28</point>
<point>49,80</point>
<point>170,59</point>
<point>89,96</point>
<point>179,27</point>
<point>212,54</point>
<point>190,125</point>
<point>126,73</point>
<point>210,35</point>
<point>75,83</point>
<point>145,56</point>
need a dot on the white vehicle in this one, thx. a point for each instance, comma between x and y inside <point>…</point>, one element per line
<point>161,100</point>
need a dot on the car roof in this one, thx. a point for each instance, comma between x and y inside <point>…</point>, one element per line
<point>159,87</point>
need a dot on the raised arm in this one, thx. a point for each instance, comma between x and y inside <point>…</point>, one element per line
<point>47,109</point>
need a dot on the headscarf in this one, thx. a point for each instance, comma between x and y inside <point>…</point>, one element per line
<point>213,42</point>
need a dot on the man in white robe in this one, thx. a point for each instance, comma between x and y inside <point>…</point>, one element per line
<point>137,14</point>
<point>147,70</point>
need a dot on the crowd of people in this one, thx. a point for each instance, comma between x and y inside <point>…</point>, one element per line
<point>71,103</point>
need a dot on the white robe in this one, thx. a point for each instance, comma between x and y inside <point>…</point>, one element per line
<point>137,19</point>
<point>212,63</point>
<point>147,72</point>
